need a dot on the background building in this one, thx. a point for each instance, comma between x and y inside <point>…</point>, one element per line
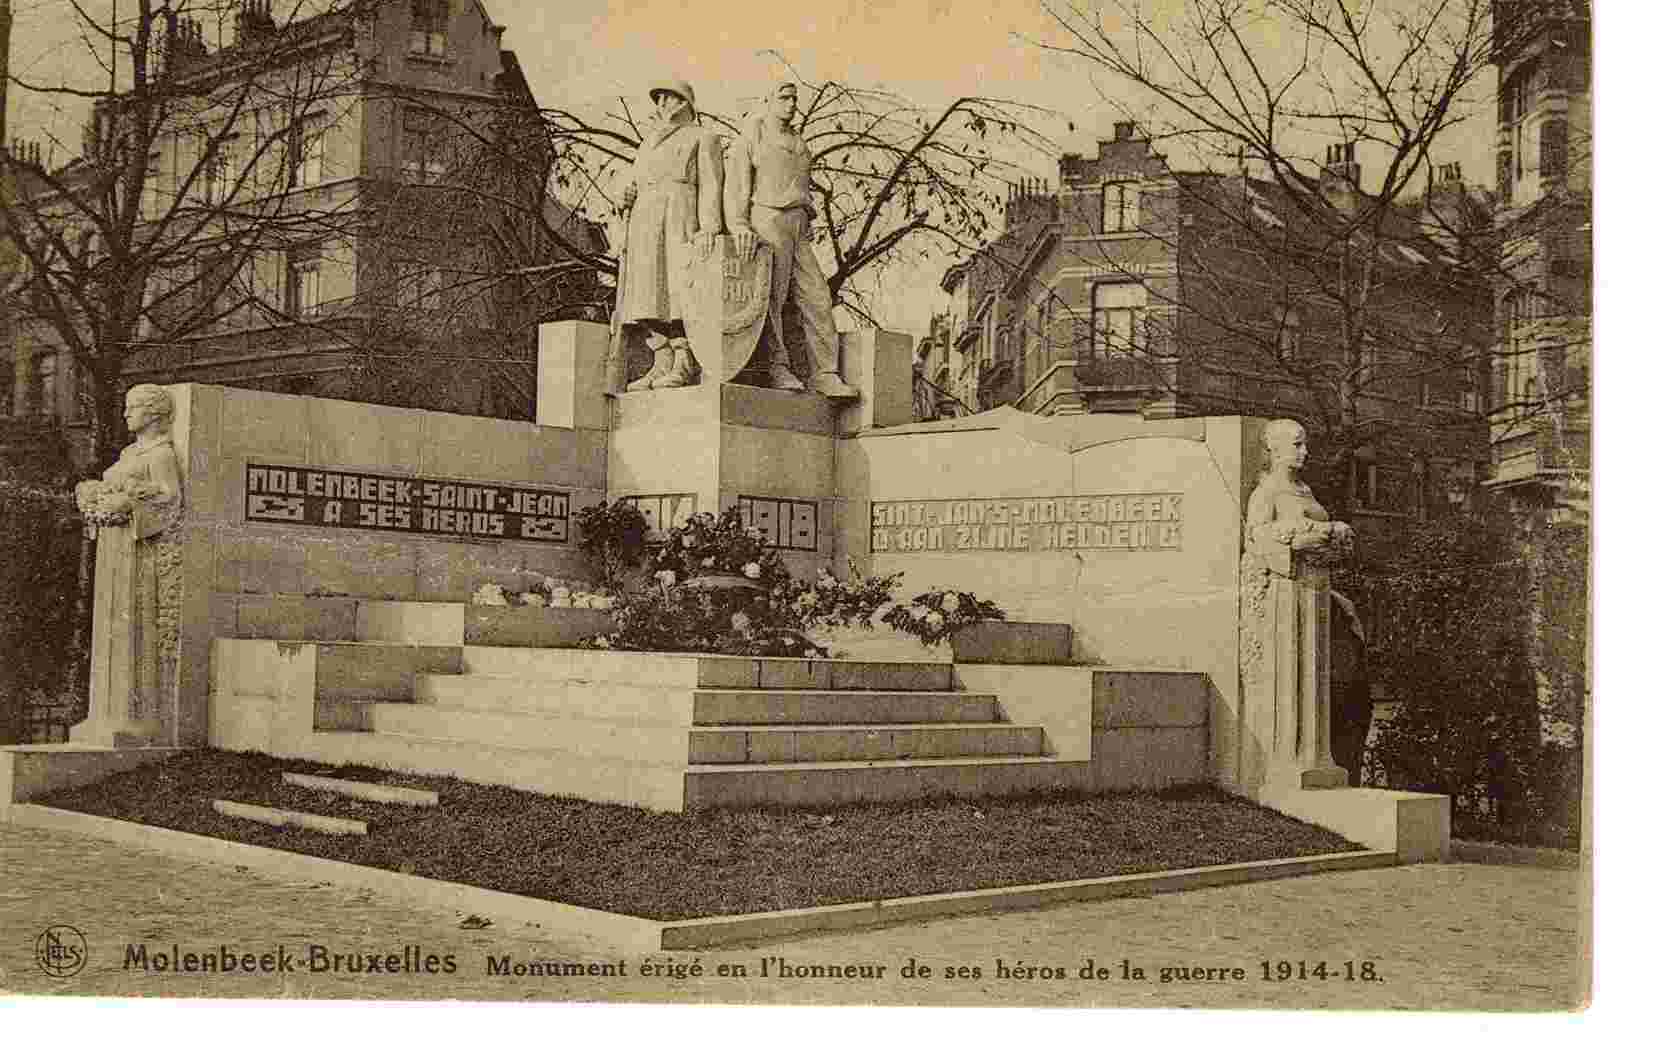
<point>1541,372</point>
<point>382,232</point>
<point>1135,288</point>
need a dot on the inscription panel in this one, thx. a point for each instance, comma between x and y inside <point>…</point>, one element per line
<point>663,512</point>
<point>1141,522</point>
<point>330,498</point>
<point>784,523</point>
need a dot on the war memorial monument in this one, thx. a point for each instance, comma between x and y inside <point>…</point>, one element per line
<point>294,575</point>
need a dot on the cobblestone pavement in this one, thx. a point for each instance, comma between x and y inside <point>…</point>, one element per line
<point>1455,936</point>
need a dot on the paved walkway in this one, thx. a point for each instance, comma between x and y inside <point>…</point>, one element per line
<point>1461,937</point>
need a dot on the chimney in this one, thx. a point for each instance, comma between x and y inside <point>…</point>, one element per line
<point>1444,215</point>
<point>1340,178</point>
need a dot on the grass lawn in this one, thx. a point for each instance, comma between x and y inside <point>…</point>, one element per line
<point>673,866</point>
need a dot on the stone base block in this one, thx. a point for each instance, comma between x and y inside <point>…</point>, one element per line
<point>534,627</point>
<point>1417,827</point>
<point>1019,643</point>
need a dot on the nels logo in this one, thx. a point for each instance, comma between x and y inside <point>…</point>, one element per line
<point>60,951</point>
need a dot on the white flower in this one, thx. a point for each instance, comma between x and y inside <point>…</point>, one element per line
<point>935,619</point>
<point>602,602</point>
<point>752,570</point>
<point>949,604</point>
<point>602,642</point>
<point>535,600</point>
<point>666,577</point>
<point>490,595</point>
<point>708,562</point>
<point>687,541</point>
<point>740,622</point>
<point>808,600</point>
<point>559,602</point>
<point>579,600</point>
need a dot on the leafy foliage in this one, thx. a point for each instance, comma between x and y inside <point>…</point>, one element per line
<point>614,538</point>
<point>938,614</point>
<point>39,532</point>
<point>1454,641</point>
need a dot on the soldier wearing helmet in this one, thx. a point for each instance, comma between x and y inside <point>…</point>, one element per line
<point>675,216</point>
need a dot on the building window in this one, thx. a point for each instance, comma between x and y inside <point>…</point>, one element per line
<point>429,28</point>
<point>218,173</point>
<point>151,203</point>
<point>305,282</point>
<point>1120,207</point>
<point>307,155</point>
<point>215,282</point>
<point>1518,361</point>
<point>425,146</point>
<point>1117,319</point>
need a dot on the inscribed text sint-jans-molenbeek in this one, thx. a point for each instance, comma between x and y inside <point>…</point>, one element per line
<point>1142,522</point>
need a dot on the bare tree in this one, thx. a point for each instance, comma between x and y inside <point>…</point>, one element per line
<point>196,170</point>
<point>894,181</point>
<point>1244,95</point>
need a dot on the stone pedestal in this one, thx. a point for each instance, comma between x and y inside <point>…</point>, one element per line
<point>706,447</point>
<point>1287,680</point>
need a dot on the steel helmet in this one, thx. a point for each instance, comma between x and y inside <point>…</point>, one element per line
<point>674,87</point>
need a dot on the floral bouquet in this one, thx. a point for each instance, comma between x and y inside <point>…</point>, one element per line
<point>104,504</point>
<point>711,545</point>
<point>938,614</point>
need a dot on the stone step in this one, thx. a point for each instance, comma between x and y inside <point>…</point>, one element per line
<point>282,817</point>
<point>378,670</point>
<point>555,696</point>
<point>378,793</point>
<point>821,783</point>
<point>557,772</point>
<point>859,742</point>
<point>622,737</point>
<point>823,706</point>
<point>707,671</point>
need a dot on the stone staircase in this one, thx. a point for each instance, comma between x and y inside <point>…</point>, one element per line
<point>669,731</point>
<point>417,688</point>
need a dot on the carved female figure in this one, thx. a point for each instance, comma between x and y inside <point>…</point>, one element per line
<point>137,509</point>
<point>1285,623</point>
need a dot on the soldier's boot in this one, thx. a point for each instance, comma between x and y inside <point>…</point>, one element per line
<point>683,372</point>
<point>830,384</point>
<point>779,376</point>
<point>662,362</point>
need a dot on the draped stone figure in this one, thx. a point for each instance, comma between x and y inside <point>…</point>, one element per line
<point>674,216</point>
<point>137,510</point>
<point>1285,620</point>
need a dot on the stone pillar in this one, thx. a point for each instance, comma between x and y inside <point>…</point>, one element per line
<point>878,363</point>
<point>570,375</point>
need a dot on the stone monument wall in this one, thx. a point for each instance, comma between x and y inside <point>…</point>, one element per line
<point>1124,528</point>
<point>291,497</point>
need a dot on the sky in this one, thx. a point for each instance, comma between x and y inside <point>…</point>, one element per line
<point>584,54</point>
